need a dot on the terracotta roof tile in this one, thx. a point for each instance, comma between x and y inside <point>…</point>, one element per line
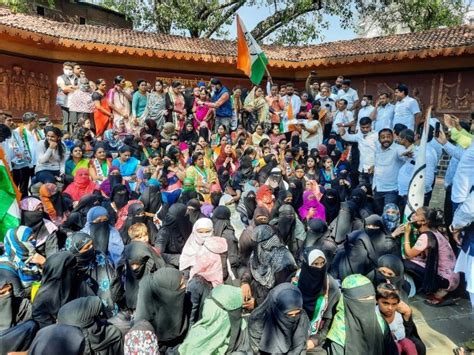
<point>121,40</point>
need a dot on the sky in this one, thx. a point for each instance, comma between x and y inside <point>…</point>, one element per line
<point>253,15</point>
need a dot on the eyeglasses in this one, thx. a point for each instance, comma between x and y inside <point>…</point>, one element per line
<point>174,139</point>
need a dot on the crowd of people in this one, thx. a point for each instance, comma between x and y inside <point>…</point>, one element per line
<point>165,219</point>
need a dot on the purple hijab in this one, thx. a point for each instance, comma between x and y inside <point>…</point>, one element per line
<point>310,201</point>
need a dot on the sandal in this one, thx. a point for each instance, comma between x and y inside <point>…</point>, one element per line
<point>439,302</point>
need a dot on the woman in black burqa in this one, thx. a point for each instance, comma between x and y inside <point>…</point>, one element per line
<point>85,313</point>
<point>279,325</point>
<point>58,286</point>
<point>162,300</point>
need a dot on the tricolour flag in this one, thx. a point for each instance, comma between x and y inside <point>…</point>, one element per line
<point>9,210</point>
<point>250,57</point>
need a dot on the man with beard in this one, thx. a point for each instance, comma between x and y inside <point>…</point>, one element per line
<point>388,161</point>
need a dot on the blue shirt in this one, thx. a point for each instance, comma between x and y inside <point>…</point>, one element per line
<point>405,111</point>
<point>224,110</point>
<point>384,117</point>
<point>464,176</point>
<point>387,165</point>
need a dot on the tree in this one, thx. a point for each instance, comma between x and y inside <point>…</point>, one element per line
<point>389,17</point>
<point>289,22</point>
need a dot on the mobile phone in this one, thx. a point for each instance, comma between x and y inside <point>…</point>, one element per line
<point>437,129</point>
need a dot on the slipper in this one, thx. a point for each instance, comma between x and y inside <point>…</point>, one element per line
<point>440,302</point>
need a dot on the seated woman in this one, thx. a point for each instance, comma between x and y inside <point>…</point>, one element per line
<point>81,186</point>
<point>223,228</point>
<point>67,339</point>
<point>106,239</point>
<point>259,134</point>
<point>203,176</point>
<point>431,260</point>
<point>174,233</point>
<point>140,260</point>
<point>21,257</point>
<point>51,154</point>
<point>188,137</point>
<point>99,165</point>
<point>114,178</point>
<point>270,264</point>
<point>75,161</point>
<point>357,328</point>
<point>119,198</point>
<point>320,295</point>
<point>58,286</point>
<point>163,302</point>
<point>279,325</point>
<point>84,313</point>
<point>362,249</point>
<point>96,272</point>
<point>136,214</point>
<point>311,208</point>
<point>128,166</point>
<point>390,270</point>
<point>44,231</point>
<point>328,173</point>
<point>221,328</point>
<point>15,306</point>
<point>141,339</point>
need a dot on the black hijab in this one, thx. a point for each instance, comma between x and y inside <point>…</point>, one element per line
<point>58,286</point>
<point>18,338</point>
<point>162,301</point>
<point>221,220</point>
<point>119,194</point>
<point>84,313</point>
<point>177,224</point>
<point>13,307</point>
<point>58,339</point>
<point>250,203</point>
<point>139,253</point>
<point>312,283</point>
<point>151,199</point>
<point>363,332</point>
<point>194,210</point>
<point>286,224</point>
<point>271,330</point>
<point>317,238</point>
<point>332,204</point>
<point>132,218</point>
<point>296,189</point>
<point>395,264</point>
<point>78,217</point>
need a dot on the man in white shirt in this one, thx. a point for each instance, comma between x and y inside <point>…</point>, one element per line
<point>382,116</point>
<point>295,101</point>
<point>365,109</point>
<point>407,110</point>
<point>342,117</point>
<point>349,94</point>
<point>388,161</point>
<point>366,140</point>
<point>67,82</point>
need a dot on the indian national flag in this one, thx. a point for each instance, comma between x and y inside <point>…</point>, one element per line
<point>416,190</point>
<point>250,57</point>
<point>9,210</point>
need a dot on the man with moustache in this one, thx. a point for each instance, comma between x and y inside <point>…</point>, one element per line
<point>388,160</point>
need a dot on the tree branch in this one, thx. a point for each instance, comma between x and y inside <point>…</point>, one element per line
<point>224,17</point>
<point>282,17</point>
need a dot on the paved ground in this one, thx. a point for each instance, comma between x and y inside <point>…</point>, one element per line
<point>442,329</point>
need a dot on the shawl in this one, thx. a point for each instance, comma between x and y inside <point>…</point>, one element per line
<point>209,263</point>
<point>82,185</point>
<point>271,330</point>
<point>310,201</point>
<point>52,201</point>
<point>270,257</point>
<point>221,325</point>
<point>141,339</point>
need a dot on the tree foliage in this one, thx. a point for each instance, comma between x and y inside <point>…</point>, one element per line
<point>288,22</point>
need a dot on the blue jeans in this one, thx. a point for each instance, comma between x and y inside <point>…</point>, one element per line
<point>382,198</point>
<point>46,176</point>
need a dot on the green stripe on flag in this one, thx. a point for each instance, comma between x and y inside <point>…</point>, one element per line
<point>9,210</point>
<point>257,70</point>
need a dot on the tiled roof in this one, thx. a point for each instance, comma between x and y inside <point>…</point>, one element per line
<point>438,42</point>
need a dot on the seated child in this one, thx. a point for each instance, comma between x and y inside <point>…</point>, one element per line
<point>398,316</point>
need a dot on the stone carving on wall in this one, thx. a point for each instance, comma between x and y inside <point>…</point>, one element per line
<point>22,91</point>
<point>450,98</point>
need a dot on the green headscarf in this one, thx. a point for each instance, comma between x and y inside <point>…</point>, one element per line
<point>212,333</point>
<point>338,330</point>
<point>188,185</point>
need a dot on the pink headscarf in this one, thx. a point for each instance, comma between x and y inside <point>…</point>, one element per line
<point>208,261</point>
<point>314,187</point>
<point>195,242</point>
<point>82,185</point>
<point>310,201</point>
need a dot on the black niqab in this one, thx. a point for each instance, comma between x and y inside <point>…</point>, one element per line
<point>221,220</point>
<point>100,233</point>
<point>58,339</point>
<point>194,210</point>
<point>332,204</point>
<point>312,283</point>
<point>162,301</point>
<point>119,195</point>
